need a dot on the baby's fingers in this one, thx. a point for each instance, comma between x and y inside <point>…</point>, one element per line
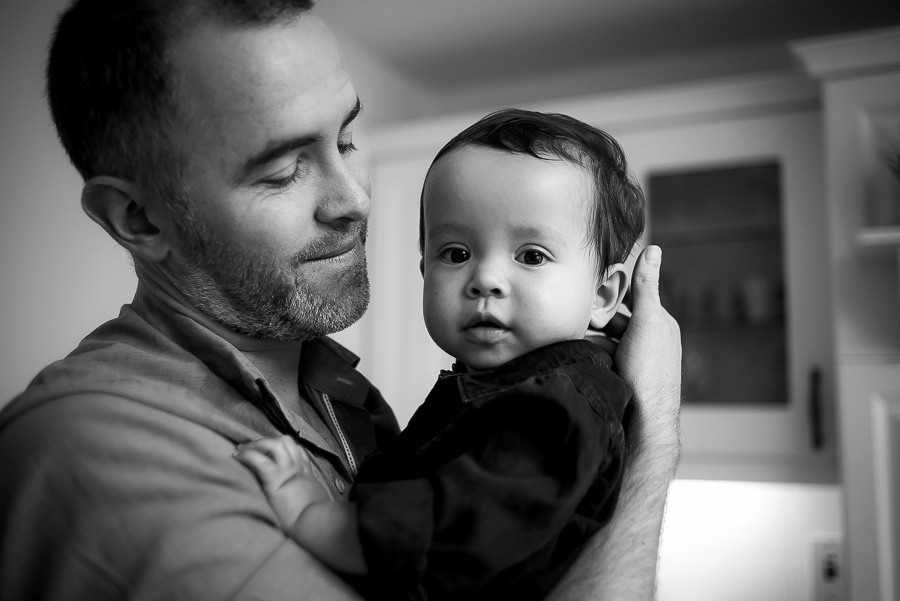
<point>282,450</point>
<point>269,473</point>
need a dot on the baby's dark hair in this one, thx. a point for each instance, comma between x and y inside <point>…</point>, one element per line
<point>618,219</point>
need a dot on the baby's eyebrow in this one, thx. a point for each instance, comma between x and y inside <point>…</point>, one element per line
<point>530,233</point>
<point>448,229</point>
<point>539,234</point>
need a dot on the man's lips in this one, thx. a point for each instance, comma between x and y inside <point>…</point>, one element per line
<point>337,251</point>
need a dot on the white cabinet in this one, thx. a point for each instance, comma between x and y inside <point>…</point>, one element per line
<point>769,119</point>
<point>743,435</point>
<point>860,77</point>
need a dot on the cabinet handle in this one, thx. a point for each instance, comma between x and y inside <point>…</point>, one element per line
<point>815,407</point>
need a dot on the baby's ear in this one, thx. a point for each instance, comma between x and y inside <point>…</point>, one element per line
<point>610,293</point>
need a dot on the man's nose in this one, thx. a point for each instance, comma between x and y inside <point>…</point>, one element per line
<point>345,196</point>
<point>487,280</point>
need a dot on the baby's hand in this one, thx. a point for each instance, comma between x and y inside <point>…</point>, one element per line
<point>285,472</point>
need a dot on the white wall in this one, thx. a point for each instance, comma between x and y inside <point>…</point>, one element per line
<point>61,275</point>
<point>744,541</point>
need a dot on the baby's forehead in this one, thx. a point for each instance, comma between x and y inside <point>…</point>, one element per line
<point>572,156</point>
<point>492,189</point>
<point>458,163</point>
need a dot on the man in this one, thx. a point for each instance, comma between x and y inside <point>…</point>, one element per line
<point>215,140</point>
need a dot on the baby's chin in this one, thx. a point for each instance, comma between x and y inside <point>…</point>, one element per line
<point>476,366</point>
<point>486,361</point>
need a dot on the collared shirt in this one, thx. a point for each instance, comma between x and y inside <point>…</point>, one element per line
<point>117,478</point>
<point>498,480</point>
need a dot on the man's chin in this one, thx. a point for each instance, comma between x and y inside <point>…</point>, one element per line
<point>299,303</point>
<point>323,312</point>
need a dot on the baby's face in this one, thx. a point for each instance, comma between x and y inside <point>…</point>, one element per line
<point>507,263</point>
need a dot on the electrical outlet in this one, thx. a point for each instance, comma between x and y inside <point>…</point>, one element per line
<point>828,564</point>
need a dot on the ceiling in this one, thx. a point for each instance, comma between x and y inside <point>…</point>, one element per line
<point>446,43</point>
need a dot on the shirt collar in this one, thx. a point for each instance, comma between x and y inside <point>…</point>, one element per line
<point>169,312</point>
<point>324,364</point>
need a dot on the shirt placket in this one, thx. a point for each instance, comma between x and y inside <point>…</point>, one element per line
<point>324,469</point>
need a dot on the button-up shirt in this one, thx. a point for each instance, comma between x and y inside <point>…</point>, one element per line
<point>116,471</point>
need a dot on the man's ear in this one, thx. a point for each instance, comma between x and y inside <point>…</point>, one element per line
<point>120,207</point>
<point>610,293</point>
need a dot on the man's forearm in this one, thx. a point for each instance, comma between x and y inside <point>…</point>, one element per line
<point>619,562</point>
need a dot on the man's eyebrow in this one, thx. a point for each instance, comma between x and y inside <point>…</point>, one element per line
<point>353,114</point>
<point>277,148</point>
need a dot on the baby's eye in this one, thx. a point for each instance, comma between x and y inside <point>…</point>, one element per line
<point>532,257</point>
<point>455,255</point>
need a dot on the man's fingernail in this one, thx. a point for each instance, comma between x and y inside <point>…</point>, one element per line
<point>654,253</point>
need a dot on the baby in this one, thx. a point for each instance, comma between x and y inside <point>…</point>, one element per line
<point>516,456</point>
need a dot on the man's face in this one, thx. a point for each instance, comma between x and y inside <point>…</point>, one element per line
<point>278,198</point>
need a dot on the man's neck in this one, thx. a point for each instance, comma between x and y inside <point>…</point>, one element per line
<point>277,360</point>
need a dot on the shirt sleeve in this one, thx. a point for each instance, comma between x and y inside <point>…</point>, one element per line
<point>110,499</point>
<point>493,489</point>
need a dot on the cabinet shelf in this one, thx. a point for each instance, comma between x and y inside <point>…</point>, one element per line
<point>718,235</point>
<point>776,323</point>
<point>881,236</point>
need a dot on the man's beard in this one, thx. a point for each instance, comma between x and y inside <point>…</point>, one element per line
<point>266,296</point>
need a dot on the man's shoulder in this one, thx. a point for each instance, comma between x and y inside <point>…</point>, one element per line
<point>117,359</point>
<point>126,366</point>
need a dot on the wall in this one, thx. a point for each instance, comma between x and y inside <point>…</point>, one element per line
<point>744,541</point>
<point>61,275</point>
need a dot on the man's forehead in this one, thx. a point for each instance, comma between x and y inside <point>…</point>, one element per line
<point>260,63</point>
<point>249,84</point>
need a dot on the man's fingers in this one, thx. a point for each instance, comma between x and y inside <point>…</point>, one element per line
<point>605,342</point>
<point>616,326</point>
<point>645,281</point>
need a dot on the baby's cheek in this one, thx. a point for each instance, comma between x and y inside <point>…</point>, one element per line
<point>436,311</point>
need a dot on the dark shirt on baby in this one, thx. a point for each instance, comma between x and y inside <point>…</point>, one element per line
<point>499,479</point>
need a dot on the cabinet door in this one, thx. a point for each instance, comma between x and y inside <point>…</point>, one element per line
<point>752,294</point>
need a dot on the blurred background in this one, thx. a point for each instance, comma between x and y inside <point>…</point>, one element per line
<point>758,129</point>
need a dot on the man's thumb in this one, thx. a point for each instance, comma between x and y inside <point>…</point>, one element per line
<point>645,281</point>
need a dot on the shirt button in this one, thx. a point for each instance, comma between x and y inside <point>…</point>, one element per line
<point>339,484</point>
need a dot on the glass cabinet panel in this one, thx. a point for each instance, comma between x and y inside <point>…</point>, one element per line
<point>724,278</point>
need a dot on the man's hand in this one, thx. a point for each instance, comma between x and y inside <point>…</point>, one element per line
<point>649,356</point>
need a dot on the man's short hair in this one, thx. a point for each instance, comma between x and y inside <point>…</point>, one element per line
<point>110,86</point>
<point>617,220</point>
